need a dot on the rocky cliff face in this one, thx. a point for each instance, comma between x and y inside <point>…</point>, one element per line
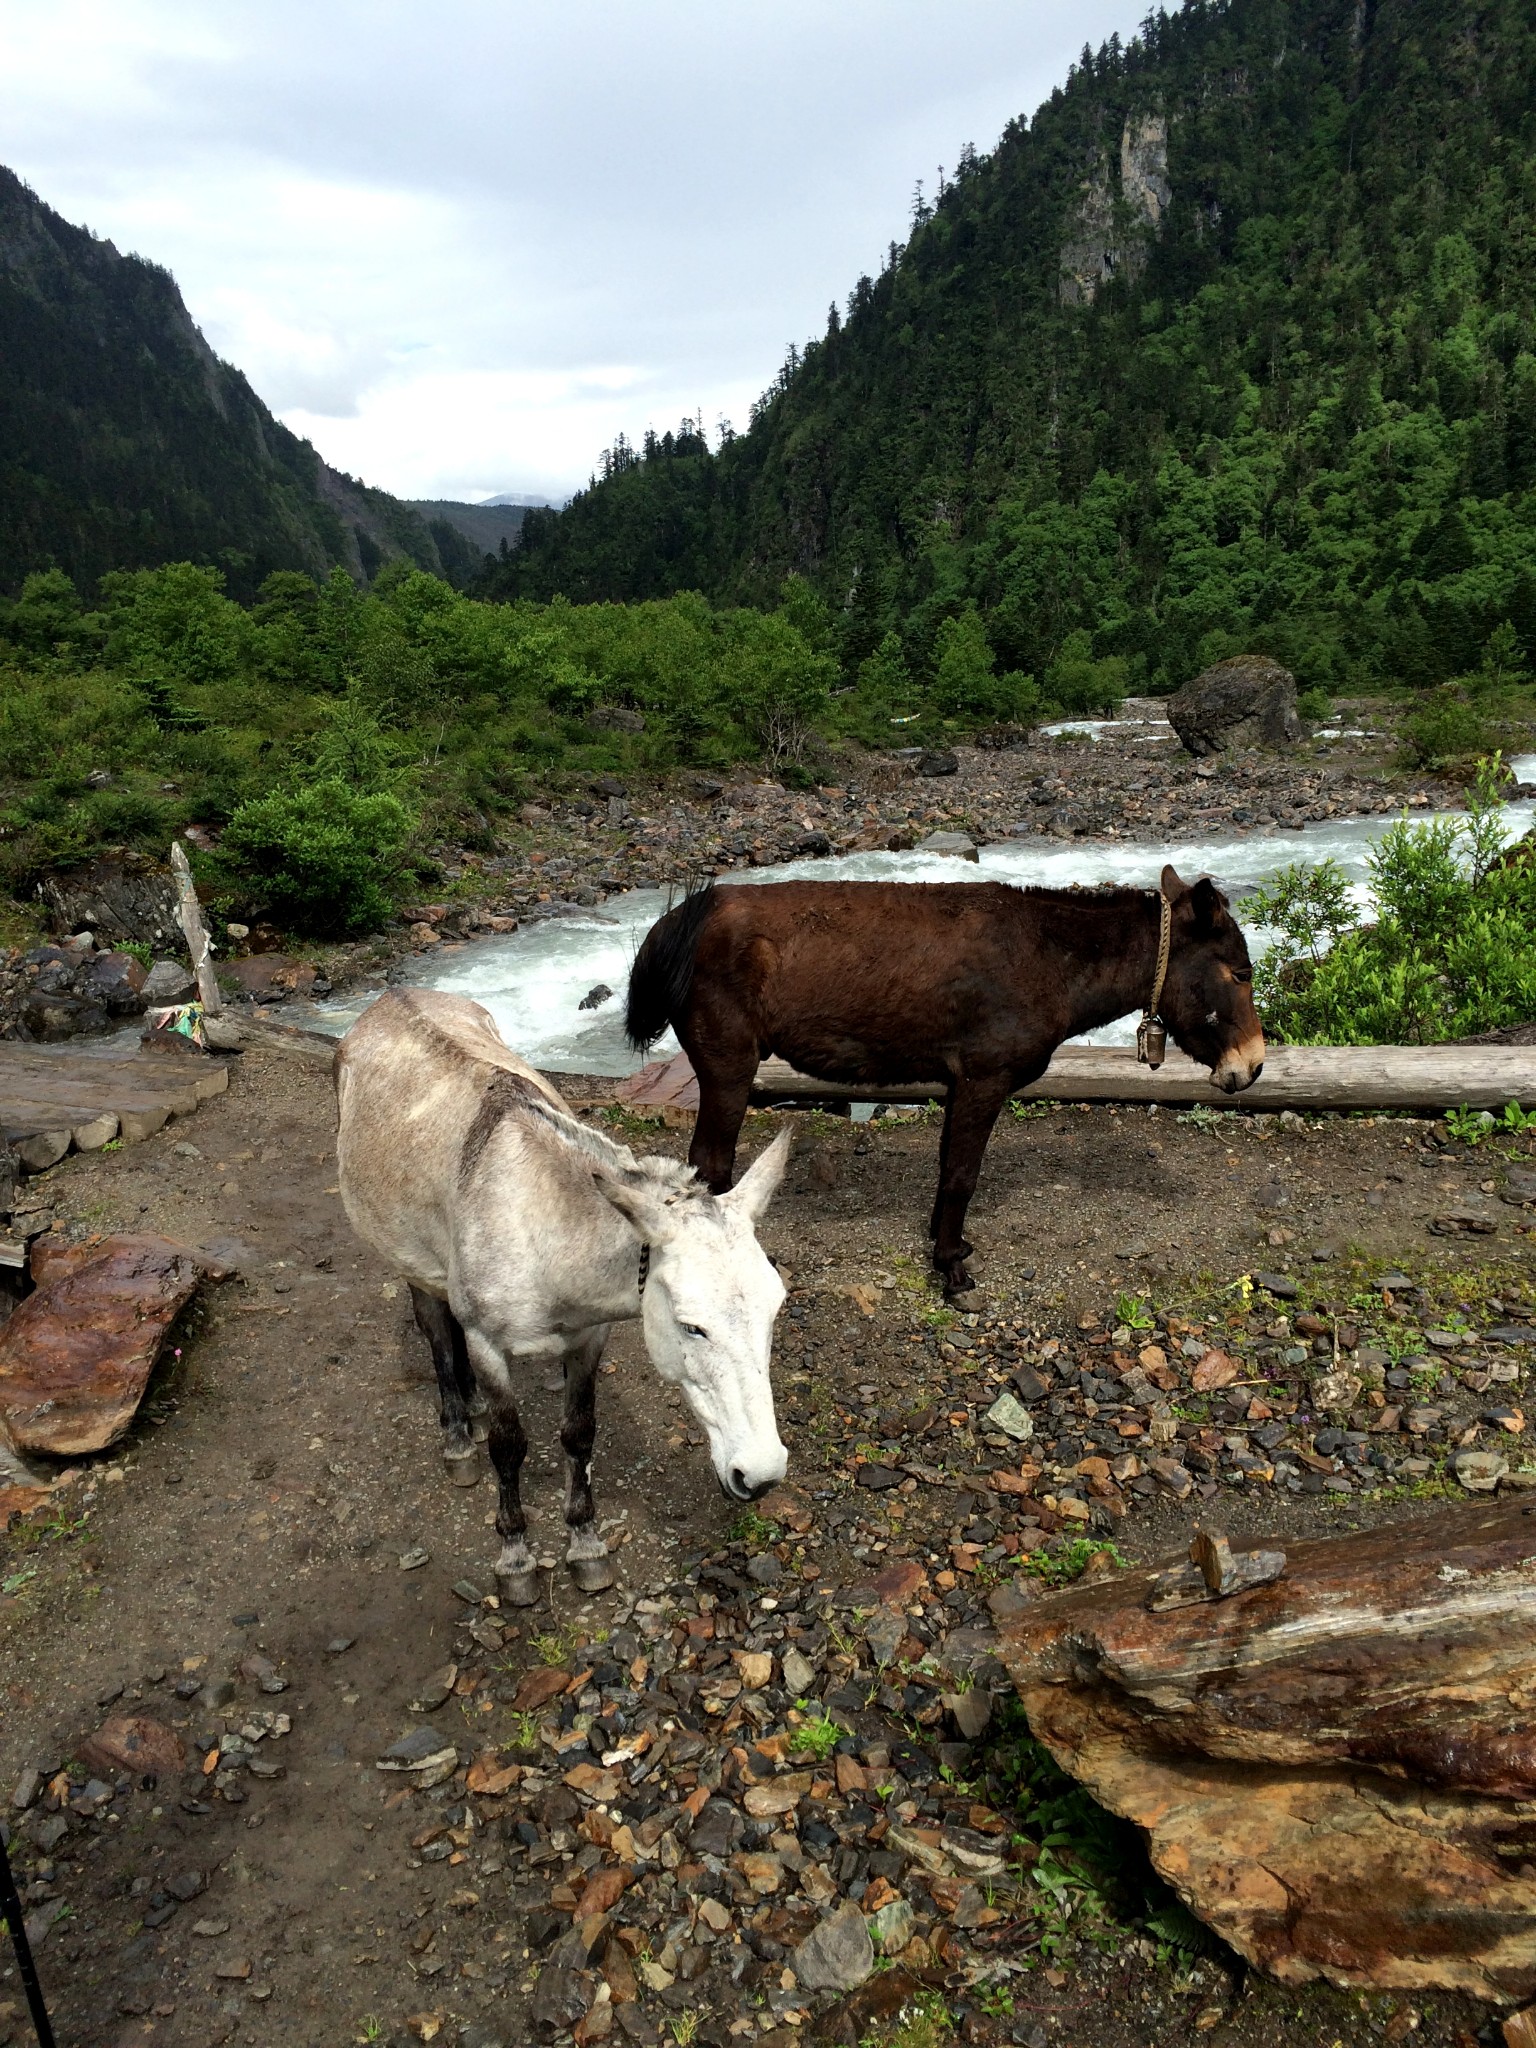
<point>1108,232</point>
<point>125,441</point>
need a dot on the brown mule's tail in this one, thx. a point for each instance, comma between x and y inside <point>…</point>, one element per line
<point>662,977</point>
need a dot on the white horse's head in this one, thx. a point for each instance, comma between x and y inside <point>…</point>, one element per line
<point>708,1310</point>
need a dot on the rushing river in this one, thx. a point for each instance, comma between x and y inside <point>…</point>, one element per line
<point>533,981</point>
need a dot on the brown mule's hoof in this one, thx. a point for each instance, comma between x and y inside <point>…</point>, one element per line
<point>519,1589</point>
<point>592,1574</point>
<point>463,1467</point>
<point>955,1281</point>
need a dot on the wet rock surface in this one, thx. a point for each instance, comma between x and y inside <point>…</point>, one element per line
<point>76,1355</point>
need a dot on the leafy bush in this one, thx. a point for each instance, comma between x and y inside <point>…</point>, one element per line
<point>1315,706</point>
<point>1078,683</point>
<point>1452,950</point>
<point>322,857</point>
<point>1446,728</point>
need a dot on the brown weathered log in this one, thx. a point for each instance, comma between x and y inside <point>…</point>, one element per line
<point>1337,1771</point>
<point>1432,1078</point>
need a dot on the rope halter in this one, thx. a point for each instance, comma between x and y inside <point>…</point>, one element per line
<point>1151,1032</point>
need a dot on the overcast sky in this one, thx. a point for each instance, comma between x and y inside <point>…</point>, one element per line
<point>462,245</point>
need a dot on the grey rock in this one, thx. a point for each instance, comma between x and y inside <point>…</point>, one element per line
<point>1247,701</point>
<point>838,1955</point>
<point>1011,1417</point>
<point>938,761</point>
<point>1480,1471</point>
<point>765,1570</point>
<point>957,845</point>
<point>717,1830</point>
<point>884,1633</point>
<point>970,1711</point>
<point>596,996</point>
<point>414,1747</point>
<point>432,1692</point>
<point>168,982</point>
<point>1277,1285</point>
<point>893,1926</point>
<point>799,1672</point>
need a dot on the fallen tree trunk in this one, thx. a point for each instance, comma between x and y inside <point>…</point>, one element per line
<point>1336,1770</point>
<point>1432,1078</point>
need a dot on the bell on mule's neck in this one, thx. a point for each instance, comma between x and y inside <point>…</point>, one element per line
<point>1151,1041</point>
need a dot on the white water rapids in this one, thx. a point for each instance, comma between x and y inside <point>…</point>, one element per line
<point>532,981</point>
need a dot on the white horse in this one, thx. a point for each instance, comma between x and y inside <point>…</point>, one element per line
<point>524,1234</point>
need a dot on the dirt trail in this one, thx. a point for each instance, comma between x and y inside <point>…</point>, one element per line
<point>284,1478</point>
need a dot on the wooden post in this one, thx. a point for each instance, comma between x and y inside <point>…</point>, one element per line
<point>190,914</point>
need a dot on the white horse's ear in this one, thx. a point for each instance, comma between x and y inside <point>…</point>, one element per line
<point>760,1183</point>
<point>637,1203</point>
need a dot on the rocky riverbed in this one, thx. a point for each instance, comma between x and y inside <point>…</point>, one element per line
<point>571,849</point>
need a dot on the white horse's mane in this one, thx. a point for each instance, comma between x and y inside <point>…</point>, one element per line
<point>672,1176</point>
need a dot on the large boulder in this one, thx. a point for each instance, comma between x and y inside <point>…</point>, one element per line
<point>1247,701</point>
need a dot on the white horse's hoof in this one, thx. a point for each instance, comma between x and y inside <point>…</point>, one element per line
<point>592,1574</point>
<point>463,1467</point>
<point>519,1589</point>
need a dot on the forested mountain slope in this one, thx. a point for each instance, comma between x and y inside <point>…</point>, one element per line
<point>125,442</point>
<point>1232,344</point>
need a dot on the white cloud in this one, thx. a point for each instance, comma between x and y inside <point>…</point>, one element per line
<point>477,242</point>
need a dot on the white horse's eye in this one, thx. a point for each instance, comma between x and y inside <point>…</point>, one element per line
<point>692,1330</point>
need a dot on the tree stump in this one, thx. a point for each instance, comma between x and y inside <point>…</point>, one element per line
<point>1336,1770</point>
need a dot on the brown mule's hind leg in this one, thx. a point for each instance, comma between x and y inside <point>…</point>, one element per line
<point>458,1396</point>
<point>972,1111</point>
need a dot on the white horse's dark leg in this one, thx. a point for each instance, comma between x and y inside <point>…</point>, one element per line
<point>586,1554</point>
<point>517,1575</point>
<point>458,1397</point>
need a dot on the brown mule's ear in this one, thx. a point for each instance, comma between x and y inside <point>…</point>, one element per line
<point>1208,904</point>
<point>1171,885</point>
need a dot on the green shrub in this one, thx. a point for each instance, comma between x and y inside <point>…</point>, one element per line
<point>1446,728</point>
<point>1078,683</point>
<point>1452,950</point>
<point>322,857</point>
<point>1315,706</point>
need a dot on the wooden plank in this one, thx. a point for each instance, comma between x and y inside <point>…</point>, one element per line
<point>67,1089</point>
<point>152,1072</point>
<point>1430,1078</point>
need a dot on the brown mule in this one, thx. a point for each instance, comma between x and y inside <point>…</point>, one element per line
<point>970,984</point>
